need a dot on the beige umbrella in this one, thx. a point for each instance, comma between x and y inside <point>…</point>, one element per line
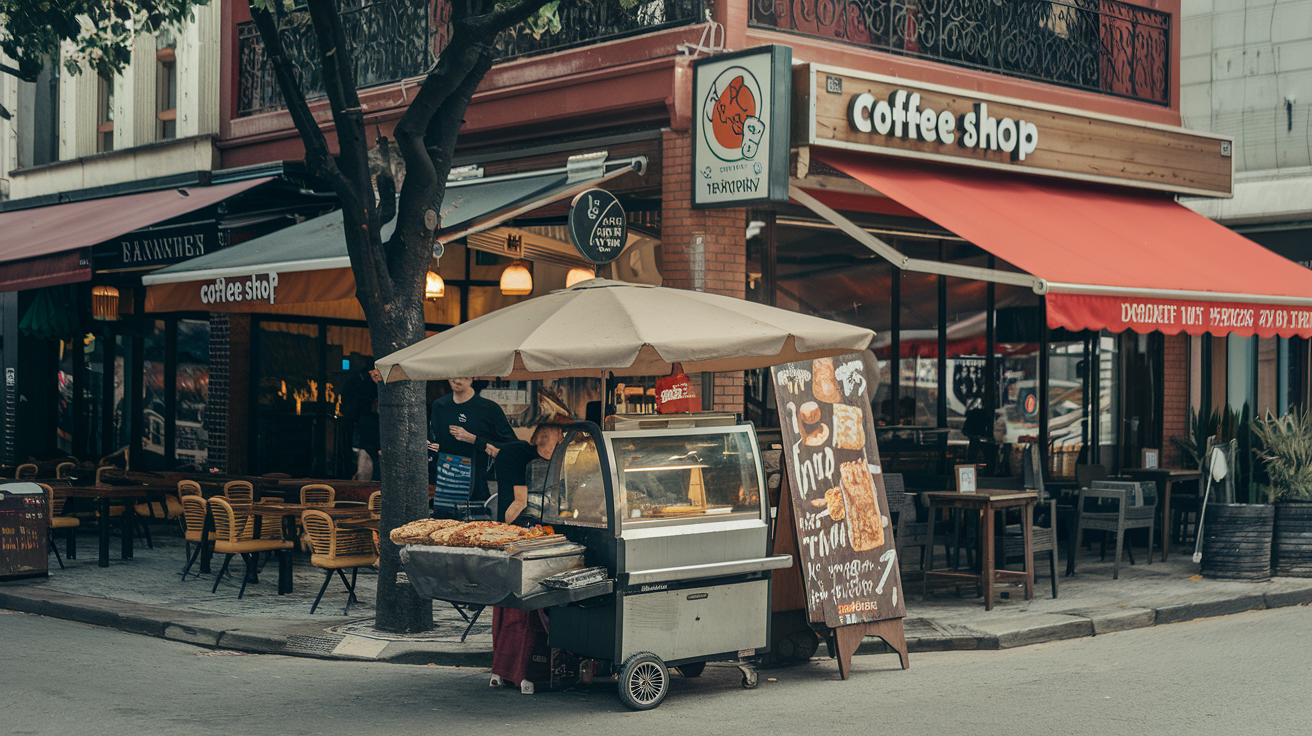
<point>631,329</point>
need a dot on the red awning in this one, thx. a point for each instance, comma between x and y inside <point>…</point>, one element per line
<point>1111,259</point>
<point>30,236</point>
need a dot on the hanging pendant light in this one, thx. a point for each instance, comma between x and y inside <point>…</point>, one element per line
<point>104,303</point>
<point>516,280</point>
<point>434,287</point>
<point>579,274</point>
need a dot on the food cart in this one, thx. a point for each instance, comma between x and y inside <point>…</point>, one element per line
<point>672,510</point>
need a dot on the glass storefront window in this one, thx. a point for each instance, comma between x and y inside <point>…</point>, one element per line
<point>152,421</point>
<point>351,396</point>
<point>193,385</point>
<point>64,418</point>
<point>122,398</point>
<point>289,392</point>
<point>93,396</point>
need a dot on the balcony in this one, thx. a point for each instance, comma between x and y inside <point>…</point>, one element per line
<point>1105,46</point>
<point>391,41</point>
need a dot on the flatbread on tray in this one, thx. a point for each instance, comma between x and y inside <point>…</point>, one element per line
<point>824,385</point>
<point>849,434</point>
<point>865,523</point>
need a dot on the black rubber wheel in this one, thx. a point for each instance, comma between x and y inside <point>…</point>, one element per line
<point>692,669</point>
<point>644,681</point>
<point>750,679</point>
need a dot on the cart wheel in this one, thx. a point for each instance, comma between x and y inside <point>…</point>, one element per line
<point>692,669</point>
<point>644,681</point>
<point>750,680</point>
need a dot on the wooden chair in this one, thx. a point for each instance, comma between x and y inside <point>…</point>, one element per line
<point>26,471</point>
<point>64,471</point>
<point>239,493</point>
<point>376,505</point>
<point>1044,537</point>
<point>232,536</point>
<point>317,494</point>
<point>334,550</point>
<point>193,520</point>
<point>58,521</point>
<point>1093,514</point>
<point>902,508</point>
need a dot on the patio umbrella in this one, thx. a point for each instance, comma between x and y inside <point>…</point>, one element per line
<point>632,329</point>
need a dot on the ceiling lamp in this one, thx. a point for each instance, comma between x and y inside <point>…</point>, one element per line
<point>434,287</point>
<point>516,280</point>
<point>579,274</point>
<point>104,303</point>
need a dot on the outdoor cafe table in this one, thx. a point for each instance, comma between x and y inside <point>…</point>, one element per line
<point>127,495</point>
<point>985,502</point>
<point>1165,477</point>
<point>289,513</point>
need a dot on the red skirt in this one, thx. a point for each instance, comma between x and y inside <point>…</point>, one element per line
<point>514,634</point>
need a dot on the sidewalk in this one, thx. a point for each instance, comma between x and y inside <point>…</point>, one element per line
<point>145,596</point>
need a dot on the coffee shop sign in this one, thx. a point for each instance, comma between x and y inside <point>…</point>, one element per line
<point>257,287</point>
<point>901,116</point>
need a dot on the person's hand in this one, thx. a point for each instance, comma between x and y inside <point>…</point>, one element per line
<point>433,446</point>
<point>461,434</point>
<point>492,450</point>
<point>374,374</point>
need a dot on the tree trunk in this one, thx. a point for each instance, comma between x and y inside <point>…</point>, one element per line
<point>403,434</point>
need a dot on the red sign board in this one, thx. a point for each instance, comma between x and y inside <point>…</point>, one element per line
<point>1173,316</point>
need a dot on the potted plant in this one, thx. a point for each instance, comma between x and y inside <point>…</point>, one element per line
<point>1286,457</point>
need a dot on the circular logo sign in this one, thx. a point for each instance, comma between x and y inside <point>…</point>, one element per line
<point>597,226</point>
<point>1031,404</point>
<point>733,128</point>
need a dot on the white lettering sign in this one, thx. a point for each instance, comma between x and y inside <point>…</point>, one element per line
<point>258,287</point>
<point>901,117</point>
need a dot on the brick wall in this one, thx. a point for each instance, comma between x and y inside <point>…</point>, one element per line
<point>1175,396</point>
<point>216,406</point>
<point>717,265</point>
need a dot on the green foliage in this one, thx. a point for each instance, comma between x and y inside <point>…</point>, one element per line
<point>1286,455</point>
<point>98,33</point>
<point>1222,423</point>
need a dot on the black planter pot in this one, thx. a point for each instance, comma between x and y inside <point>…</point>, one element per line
<point>1292,542</point>
<point>1237,541</point>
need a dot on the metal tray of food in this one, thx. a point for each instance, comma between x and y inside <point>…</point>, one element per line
<point>490,577</point>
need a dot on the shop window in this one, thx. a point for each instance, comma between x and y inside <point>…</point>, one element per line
<point>966,387</point>
<point>350,396</point>
<point>104,114</point>
<point>65,419</point>
<point>191,440</point>
<point>153,391</point>
<point>37,129</point>
<point>289,391</point>
<point>123,402</point>
<point>166,90</point>
<point>918,323</point>
<point>93,396</point>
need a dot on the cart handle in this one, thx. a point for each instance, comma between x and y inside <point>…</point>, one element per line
<point>709,570</point>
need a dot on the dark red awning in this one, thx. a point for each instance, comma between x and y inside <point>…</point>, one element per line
<point>1111,259</point>
<point>41,246</point>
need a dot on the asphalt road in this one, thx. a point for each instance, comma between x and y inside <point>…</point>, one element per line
<point>1244,674</point>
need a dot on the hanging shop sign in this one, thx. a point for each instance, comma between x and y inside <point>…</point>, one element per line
<point>155,247</point>
<point>741,116</point>
<point>886,115</point>
<point>597,226</point>
<point>259,292</point>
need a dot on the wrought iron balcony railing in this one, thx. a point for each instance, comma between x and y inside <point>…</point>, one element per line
<point>1103,45</point>
<point>394,40</point>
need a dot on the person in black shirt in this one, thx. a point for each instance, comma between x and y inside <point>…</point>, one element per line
<point>513,475</point>
<point>468,426</point>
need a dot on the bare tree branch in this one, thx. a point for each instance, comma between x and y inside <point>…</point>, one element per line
<point>318,159</point>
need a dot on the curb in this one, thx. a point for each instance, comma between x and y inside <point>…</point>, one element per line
<point>308,638</point>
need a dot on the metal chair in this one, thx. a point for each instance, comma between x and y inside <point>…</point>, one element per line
<point>334,550</point>
<point>1128,515</point>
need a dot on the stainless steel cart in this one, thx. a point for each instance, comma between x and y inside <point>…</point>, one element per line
<point>674,509</point>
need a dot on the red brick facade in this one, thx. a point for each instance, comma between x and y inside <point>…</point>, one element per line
<point>1175,396</point>
<point>721,267</point>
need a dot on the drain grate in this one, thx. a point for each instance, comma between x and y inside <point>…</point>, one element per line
<point>222,653</point>
<point>317,644</point>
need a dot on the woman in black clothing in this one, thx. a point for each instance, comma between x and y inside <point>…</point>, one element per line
<point>463,430</point>
<point>515,475</point>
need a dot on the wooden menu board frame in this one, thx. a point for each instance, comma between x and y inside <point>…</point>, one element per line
<point>833,512</point>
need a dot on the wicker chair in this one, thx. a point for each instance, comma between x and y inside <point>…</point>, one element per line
<point>64,471</point>
<point>189,488</point>
<point>334,550</point>
<point>239,492</point>
<point>317,494</point>
<point>232,536</point>
<point>193,519</point>
<point>26,471</point>
<point>58,521</point>
<point>376,505</point>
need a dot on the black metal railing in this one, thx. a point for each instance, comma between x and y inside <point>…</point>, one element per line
<point>391,41</point>
<point>1102,45</point>
<point>388,41</point>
